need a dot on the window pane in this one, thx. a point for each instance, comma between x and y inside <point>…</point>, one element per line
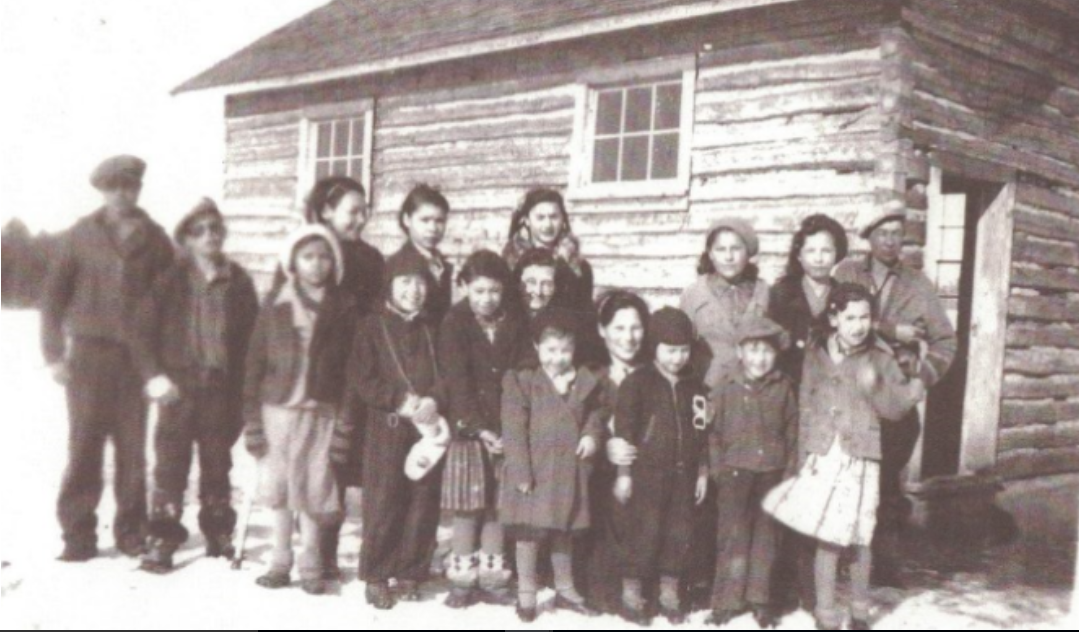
<point>609,113</point>
<point>340,168</point>
<point>605,163</point>
<point>669,106</point>
<point>322,170</point>
<point>324,133</point>
<point>357,137</point>
<point>340,139</point>
<point>635,158</point>
<point>356,170</point>
<point>639,110</point>
<point>665,157</point>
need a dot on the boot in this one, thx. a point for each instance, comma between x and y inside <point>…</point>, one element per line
<point>331,540</point>
<point>670,601</point>
<point>78,553</point>
<point>464,575</point>
<point>379,596</point>
<point>634,607</point>
<point>158,558</point>
<point>766,617</point>
<point>217,520</point>
<point>494,579</point>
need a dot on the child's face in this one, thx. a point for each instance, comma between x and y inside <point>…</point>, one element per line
<point>537,285</point>
<point>546,223</point>
<point>409,293</point>
<point>485,296</point>
<point>206,238</point>
<point>625,335</point>
<point>758,357</point>
<point>427,226</point>
<point>818,256</point>
<point>315,263</point>
<point>556,353</point>
<point>348,218</point>
<point>729,255</point>
<point>672,358</point>
<point>853,324</point>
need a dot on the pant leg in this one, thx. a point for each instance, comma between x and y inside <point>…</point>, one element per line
<point>898,440</point>
<point>677,527</point>
<point>217,518</point>
<point>330,538</point>
<point>419,537</point>
<point>128,431</point>
<point>764,546</point>
<point>174,440</point>
<point>310,561</point>
<point>827,577</point>
<point>640,524</point>
<point>83,481</point>
<point>386,498</point>
<point>734,536</point>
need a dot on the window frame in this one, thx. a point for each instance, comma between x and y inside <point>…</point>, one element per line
<point>589,87</point>
<point>310,118</point>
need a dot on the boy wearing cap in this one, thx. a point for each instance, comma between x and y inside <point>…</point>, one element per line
<point>662,411</point>
<point>752,443</point>
<point>109,261</point>
<point>199,319</point>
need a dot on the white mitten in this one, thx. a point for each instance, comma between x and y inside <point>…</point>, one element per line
<point>429,450</point>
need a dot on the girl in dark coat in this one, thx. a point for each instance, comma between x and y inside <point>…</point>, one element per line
<point>480,340</point>
<point>423,219</point>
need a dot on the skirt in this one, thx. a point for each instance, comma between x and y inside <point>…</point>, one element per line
<point>834,498</point>
<point>295,474</point>
<point>470,479</point>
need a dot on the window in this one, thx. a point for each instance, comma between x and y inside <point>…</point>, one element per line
<point>336,141</point>
<point>634,132</point>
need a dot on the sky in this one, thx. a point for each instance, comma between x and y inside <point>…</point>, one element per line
<point>87,79</point>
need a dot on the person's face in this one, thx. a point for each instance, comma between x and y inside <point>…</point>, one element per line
<point>315,263</point>
<point>348,217</point>
<point>853,324</point>
<point>537,286</point>
<point>818,256</point>
<point>123,198</point>
<point>427,226</point>
<point>672,358</point>
<point>729,255</point>
<point>409,293</point>
<point>485,296</point>
<point>758,357</point>
<point>206,238</point>
<point>546,223</point>
<point>556,353</point>
<point>886,241</point>
<point>624,335</point>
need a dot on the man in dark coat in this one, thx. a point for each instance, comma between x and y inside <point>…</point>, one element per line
<point>107,263</point>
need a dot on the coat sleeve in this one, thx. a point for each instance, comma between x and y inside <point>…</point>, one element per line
<point>717,401</point>
<point>790,423</point>
<point>365,375</point>
<point>254,372</point>
<point>56,295</point>
<point>941,339</point>
<point>143,347</point>
<point>516,421</point>
<point>893,397</point>
<point>462,410</point>
<point>627,417</point>
<point>599,411</point>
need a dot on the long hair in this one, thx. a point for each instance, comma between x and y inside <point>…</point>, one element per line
<point>520,237</point>
<point>705,266</point>
<point>329,192</point>
<point>811,226</point>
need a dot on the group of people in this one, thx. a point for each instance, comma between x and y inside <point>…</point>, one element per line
<point>657,460</point>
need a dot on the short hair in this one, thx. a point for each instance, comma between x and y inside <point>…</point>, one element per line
<point>421,195</point>
<point>846,293</point>
<point>554,322</point>
<point>485,264</point>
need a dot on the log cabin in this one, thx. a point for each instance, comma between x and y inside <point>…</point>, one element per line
<point>656,117</point>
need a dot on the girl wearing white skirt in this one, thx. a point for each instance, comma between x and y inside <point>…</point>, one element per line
<point>851,385</point>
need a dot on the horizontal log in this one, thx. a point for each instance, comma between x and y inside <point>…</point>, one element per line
<point>438,111</point>
<point>263,121</point>
<point>1018,413</point>
<point>1063,434</point>
<point>781,184</point>
<point>1043,279</point>
<point>235,154</point>
<point>1023,387</point>
<point>1020,464</point>
<point>268,137</point>
<point>813,126</point>
<point>850,152</point>
<point>1041,361</point>
<point>243,170</point>
<point>1047,225</point>
<point>832,97</point>
<point>1061,336</point>
<point>787,48</point>
<point>1046,199</point>
<point>558,124</point>
<point>277,188</point>
<point>1043,309</point>
<point>462,153</point>
<point>1044,252</point>
<point>802,69</point>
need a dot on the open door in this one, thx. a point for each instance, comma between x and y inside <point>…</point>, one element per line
<point>968,258</point>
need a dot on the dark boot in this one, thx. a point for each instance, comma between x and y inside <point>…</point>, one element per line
<point>721,618</point>
<point>766,617</point>
<point>463,573</point>
<point>494,580</point>
<point>379,596</point>
<point>78,553</point>
<point>217,520</point>
<point>158,558</point>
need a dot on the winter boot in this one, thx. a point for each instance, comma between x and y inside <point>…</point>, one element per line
<point>217,520</point>
<point>495,580</point>
<point>463,574</point>
<point>158,558</point>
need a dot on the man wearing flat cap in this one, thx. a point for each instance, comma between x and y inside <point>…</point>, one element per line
<point>912,320</point>
<point>107,263</point>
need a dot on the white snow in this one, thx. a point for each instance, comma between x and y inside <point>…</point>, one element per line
<point>108,593</point>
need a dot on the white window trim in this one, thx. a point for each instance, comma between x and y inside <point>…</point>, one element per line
<point>310,117</point>
<point>587,96</point>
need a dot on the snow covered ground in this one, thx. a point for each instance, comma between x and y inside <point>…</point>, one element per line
<point>1010,588</point>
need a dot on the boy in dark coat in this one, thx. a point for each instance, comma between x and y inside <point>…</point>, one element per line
<point>107,264</point>
<point>753,441</point>
<point>661,411</point>
<point>199,319</point>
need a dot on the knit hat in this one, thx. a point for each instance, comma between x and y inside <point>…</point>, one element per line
<point>118,171</point>
<point>763,328</point>
<point>894,210</point>
<point>204,209</point>
<point>670,326</point>
<point>302,234</point>
<point>741,228</point>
